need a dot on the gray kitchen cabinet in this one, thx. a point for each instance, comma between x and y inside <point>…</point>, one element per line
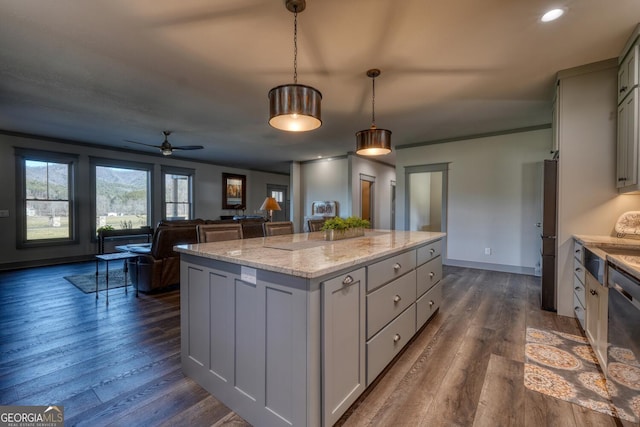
<point>343,341</point>
<point>628,137</point>
<point>596,317</point>
<point>579,273</point>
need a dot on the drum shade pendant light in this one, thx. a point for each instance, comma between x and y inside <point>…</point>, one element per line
<point>373,141</point>
<point>294,107</point>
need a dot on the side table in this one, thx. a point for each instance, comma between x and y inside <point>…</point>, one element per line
<point>117,256</point>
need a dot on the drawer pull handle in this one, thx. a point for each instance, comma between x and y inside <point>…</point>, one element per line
<point>397,299</point>
<point>397,338</point>
<point>432,274</point>
<point>576,308</point>
<point>593,292</point>
<point>623,89</point>
<point>577,288</point>
<point>347,280</point>
<point>431,303</point>
<point>397,266</point>
<point>432,251</point>
<point>578,269</point>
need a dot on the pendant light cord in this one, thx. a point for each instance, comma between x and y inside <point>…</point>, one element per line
<point>295,45</point>
<point>373,103</point>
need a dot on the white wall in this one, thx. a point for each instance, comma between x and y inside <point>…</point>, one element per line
<point>207,198</point>
<point>589,203</point>
<point>493,184</point>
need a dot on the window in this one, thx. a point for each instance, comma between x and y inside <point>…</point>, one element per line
<point>46,206</point>
<point>122,194</point>
<point>177,191</point>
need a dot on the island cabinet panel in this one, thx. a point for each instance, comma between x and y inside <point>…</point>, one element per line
<point>246,343</point>
<point>429,252</point>
<point>343,341</point>
<point>391,268</point>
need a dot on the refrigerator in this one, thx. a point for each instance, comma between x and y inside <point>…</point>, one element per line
<point>548,234</point>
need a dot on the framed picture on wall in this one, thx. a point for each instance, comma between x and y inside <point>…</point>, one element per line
<point>234,191</point>
<point>326,208</point>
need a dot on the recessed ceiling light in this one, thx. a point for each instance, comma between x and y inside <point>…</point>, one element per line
<point>552,15</point>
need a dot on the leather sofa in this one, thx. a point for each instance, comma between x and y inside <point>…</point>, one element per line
<point>160,268</point>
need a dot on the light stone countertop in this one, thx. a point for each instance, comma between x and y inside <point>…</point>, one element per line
<point>621,252</point>
<point>308,255</point>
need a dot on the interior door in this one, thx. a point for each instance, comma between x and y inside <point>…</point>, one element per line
<point>367,199</point>
<point>280,193</point>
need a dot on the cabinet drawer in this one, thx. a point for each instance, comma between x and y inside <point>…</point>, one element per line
<point>578,309</point>
<point>579,270</point>
<point>427,305</point>
<point>428,275</point>
<point>391,268</point>
<point>578,251</point>
<point>428,252</point>
<point>578,289</point>
<point>389,341</point>
<point>388,301</point>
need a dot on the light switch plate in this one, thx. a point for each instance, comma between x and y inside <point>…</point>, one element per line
<point>4,213</point>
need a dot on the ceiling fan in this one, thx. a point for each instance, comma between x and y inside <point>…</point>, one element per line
<point>166,148</point>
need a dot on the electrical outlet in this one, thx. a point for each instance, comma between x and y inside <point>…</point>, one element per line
<point>487,251</point>
<point>4,213</point>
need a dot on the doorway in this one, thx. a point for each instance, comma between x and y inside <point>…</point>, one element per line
<point>426,201</point>
<point>366,198</point>
<point>280,193</point>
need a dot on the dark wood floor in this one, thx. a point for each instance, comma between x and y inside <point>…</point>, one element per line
<point>121,365</point>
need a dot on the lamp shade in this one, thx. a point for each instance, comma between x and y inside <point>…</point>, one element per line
<point>270,204</point>
<point>373,142</point>
<point>295,108</point>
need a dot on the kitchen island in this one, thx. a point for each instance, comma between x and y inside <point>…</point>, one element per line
<point>290,330</point>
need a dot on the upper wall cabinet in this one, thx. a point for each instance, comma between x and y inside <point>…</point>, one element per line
<point>628,119</point>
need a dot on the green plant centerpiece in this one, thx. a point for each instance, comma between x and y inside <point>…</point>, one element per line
<point>338,228</point>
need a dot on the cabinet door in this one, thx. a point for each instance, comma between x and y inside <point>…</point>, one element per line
<point>628,73</point>
<point>592,309</point>
<point>343,342</point>
<point>628,142</point>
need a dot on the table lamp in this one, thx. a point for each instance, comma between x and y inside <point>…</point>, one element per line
<point>270,205</point>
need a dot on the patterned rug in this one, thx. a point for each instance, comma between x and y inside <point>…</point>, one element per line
<point>87,282</point>
<point>564,366</point>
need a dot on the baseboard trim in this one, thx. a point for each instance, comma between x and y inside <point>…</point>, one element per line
<point>528,271</point>
<point>44,262</point>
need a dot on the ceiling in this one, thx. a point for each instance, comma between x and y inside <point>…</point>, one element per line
<point>105,72</point>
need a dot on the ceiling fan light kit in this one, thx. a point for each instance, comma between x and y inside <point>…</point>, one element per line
<point>294,107</point>
<point>373,141</point>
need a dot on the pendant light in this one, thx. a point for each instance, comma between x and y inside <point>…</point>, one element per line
<point>294,107</point>
<point>373,141</point>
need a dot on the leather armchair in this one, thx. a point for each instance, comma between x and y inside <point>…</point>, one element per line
<point>161,267</point>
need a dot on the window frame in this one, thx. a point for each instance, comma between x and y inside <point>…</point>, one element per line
<point>120,164</point>
<point>22,155</point>
<point>172,170</point>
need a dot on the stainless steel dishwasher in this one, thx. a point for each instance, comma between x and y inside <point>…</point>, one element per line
<point>623,351</point>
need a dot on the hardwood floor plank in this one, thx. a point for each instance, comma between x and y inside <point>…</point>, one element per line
<point>501,401</point>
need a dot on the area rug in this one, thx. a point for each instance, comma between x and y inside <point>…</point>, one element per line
<point>87,282</point>
<point>565,367</point>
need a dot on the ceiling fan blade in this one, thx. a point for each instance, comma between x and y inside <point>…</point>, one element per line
<point>188,147</point>
<point>142,143</point>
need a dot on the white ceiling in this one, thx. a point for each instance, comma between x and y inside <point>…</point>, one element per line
<point>102,72</point>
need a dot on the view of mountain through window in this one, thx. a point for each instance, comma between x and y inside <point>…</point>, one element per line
<point>122,197</point>
<point>47,200</point>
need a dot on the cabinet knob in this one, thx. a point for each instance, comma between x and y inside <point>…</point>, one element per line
<point>432,251</point>
<point>577,288</point>
<point>623,89</point>
<point>577,251</point>
<point>347,280</point>
<point>397,338</point>
<point>578,269</point>
<point>576,308</point>
<point>431,303</point>
<point>622,179</point>
<point>593,292</point>
<point>397,299</point>
<point>432,274</point>
<point>397,266</point>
